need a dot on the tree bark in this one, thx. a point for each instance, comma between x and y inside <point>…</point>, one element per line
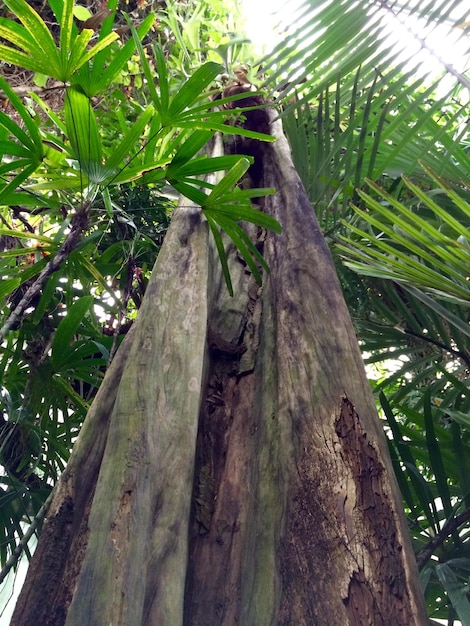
<point>232,469</point>
<point>115,540</point>
<point>306,523</point>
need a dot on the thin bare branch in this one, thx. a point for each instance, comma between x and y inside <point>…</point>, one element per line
<point>77,226</point>
<point>17,552</point>
<point>449,527</point>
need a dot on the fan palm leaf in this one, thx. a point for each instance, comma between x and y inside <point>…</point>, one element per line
<point>359,100</point>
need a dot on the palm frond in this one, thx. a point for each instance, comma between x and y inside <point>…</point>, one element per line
<point>360,100</point>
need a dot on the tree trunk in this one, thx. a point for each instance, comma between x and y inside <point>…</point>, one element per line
<point>232,469</point>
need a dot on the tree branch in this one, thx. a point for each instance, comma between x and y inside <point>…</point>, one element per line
<point>449,527</point>
<point>77,226</point>
<point>24,90</point>
<point>457,353</point>
<point>15,555</point>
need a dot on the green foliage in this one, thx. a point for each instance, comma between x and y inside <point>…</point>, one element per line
<point>201,32</point>
<point>430,456</point>
<point>97,76</point>
<point>27,151</point>
<point>413,312</point>
<point>354,105</point>
<point>35,48</point>
<point>382,148</point>
<point>405,245</point>
<point>88,183</point>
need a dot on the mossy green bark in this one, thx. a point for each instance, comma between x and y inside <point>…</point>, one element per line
<point>140,435</point>
<point>232,469</point>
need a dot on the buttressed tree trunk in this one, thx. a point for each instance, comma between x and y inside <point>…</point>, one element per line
<point>232,469</point>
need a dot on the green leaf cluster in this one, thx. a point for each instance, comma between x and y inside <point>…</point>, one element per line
<point>356,105</point>
<point>112,161</point>
<point>412,258</point>
<point>34,47</point>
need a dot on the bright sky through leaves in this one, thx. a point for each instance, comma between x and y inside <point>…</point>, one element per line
<point>268,21</point>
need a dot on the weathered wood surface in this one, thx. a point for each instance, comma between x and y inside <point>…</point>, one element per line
<point>124,500</point>
<point>232,469</point>
<point>51,576</point>
<point>303,520</point>
<point>343,525</point>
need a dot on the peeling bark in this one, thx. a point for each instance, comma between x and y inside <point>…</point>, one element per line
<point>234,471</point>
<point>306,523</point>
